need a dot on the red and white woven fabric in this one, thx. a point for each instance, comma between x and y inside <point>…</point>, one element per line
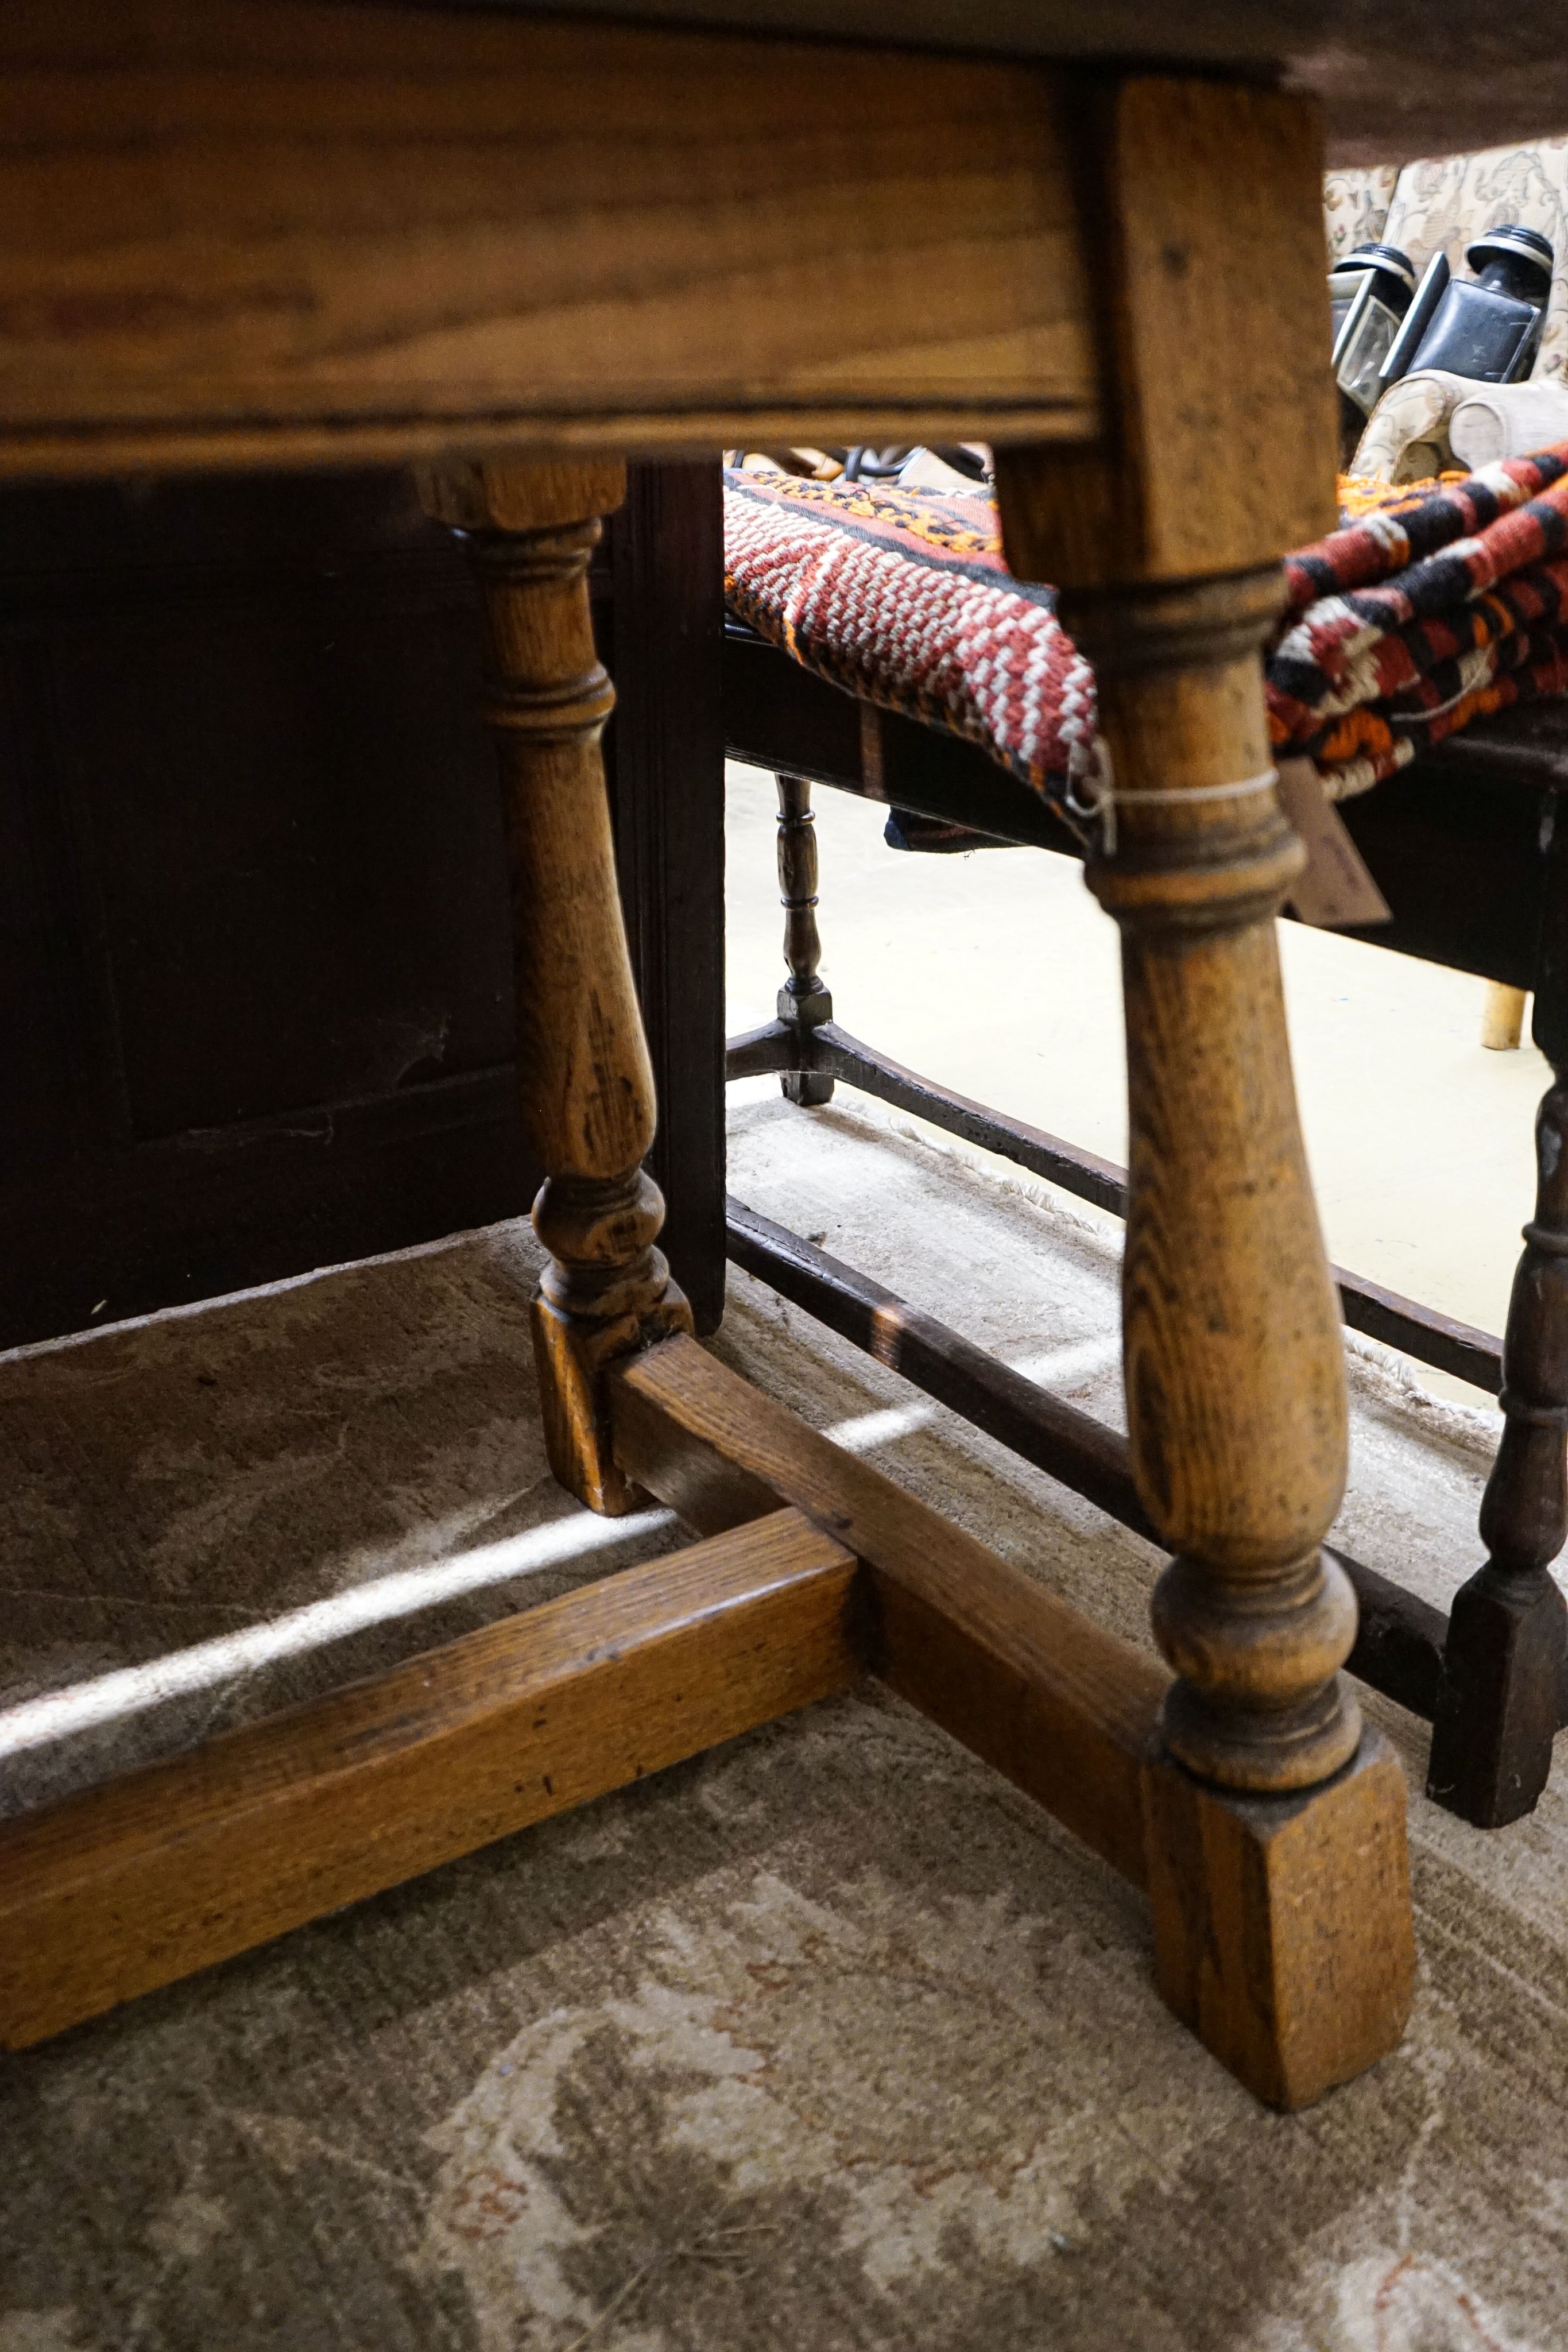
<point>1405,624</point>
<point>824,569</point>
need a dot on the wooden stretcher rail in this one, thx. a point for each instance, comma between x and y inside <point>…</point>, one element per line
<point>1420,1331</point>
<point>168,1869</point>
<point>819,1567</point>
<point>1400,1638</point>
<point>1057,1437</point>
<point>1066,1710</point>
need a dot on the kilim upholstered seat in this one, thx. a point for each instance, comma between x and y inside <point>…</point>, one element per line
<point>1423,614</point>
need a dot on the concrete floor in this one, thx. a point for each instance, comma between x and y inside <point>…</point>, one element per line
<point>997,974</point>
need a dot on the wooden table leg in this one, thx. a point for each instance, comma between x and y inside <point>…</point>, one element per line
<point>1275,1823</point>
<point>1276,1850</point>
<point>583,1063</point>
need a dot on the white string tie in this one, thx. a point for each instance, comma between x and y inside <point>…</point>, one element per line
<point>1102,799</point>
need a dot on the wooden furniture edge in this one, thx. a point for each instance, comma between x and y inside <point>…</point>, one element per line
<point>170,1868</point>
<point>519,233</point>
<point>327,444</point>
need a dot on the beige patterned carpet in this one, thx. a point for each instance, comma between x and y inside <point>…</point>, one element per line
<point>828,2041</point>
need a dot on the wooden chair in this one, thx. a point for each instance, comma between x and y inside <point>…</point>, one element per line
<point>1465,845</point>
<point>483,276</point>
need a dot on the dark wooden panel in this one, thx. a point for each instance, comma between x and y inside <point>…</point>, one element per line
<point>108,1233</point>
<point>286,809</point>
<point>255,977</point>
<point>665,761</point>
<point>1456,850</point>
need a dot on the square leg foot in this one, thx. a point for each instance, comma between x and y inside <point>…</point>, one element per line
<point>1282,1926</point>
<point>572,1355</point>
<point>1497,1713</point>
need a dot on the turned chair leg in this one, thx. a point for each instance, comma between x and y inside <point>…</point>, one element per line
<point>1500,1702</point>
<point>804,1002</point>
<point>585,1084</point>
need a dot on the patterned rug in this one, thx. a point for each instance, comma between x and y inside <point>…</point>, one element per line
<point>828,2042</point>
<point>1401,627</point>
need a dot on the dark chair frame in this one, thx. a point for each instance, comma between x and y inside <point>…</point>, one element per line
<point>1468,847</point>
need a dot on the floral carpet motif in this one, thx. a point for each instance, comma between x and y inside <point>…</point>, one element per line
<point>827,2042</point>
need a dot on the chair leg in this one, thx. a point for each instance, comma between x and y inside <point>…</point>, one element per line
<point>804,1001</point>
<point>1502,1017</point>
<point>1500,1702</point>
<point>586,1090</point>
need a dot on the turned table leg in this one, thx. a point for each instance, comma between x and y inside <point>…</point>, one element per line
<point>1233,1359</point>
<point>1276,1826</point>
<point>585,1084</point>
<point>804,1001</point>
<point>1274,1821</point>
<point>1502,1667</point>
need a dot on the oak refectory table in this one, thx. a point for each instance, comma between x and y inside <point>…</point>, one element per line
<point>509,248</point>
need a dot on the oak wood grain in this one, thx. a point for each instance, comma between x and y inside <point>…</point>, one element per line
<point>166,1870</point>
<point>1166,543</point>
<point>1276,1838</point>
<point>1282,1928</point>
<point>255,230</point>
<point>1233,1361</point>
<point>1065,1709</point>
<point>585,1086</point>
<point>1202,217</point>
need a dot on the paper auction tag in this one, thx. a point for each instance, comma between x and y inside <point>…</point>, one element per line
<point>1336,890</point>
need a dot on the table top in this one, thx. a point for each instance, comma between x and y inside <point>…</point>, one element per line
<point>1398,80</point>
<point>265,232</point>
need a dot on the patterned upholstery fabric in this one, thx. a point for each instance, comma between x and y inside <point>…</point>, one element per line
<point>1451,200</point>
<point>1355,206</point>
<point>1408,624</point>
<point>901,596</point>
<point>1400,627</point>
